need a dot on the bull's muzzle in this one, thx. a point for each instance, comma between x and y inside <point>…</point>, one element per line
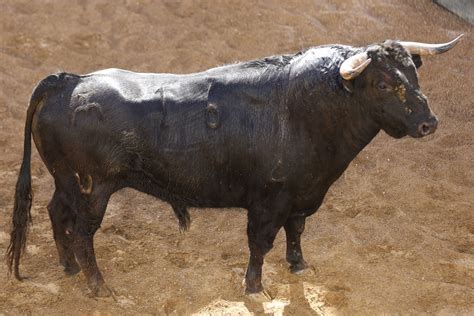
<point>428,127</point>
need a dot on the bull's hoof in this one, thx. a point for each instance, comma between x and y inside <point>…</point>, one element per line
<point>298,268</point>
<point>72,270</point>
<point>101,291</point>
<point>70,266</point>
<point>256,293</point>
<point>252,287</point>
<point>259,297</point>
<point>21,277</point>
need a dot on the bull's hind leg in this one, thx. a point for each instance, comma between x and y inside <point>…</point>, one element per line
<point>294,227</point>
<point>90,210</point>
<point>62,221</point>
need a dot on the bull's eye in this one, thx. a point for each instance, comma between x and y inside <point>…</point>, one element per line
<point>382,86</point>
<point>408,110</point>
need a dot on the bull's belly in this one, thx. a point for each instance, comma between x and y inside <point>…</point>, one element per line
<point>203,188</point>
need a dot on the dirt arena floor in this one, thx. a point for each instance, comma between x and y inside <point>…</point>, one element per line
<point>395,234</point>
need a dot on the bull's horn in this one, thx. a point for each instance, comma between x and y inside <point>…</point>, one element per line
<point>429,49</point>
<point>353,66</point>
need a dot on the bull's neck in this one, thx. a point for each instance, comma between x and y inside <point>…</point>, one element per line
<point>358,126</point>
<point>338,121</point>
<point>334,117</point>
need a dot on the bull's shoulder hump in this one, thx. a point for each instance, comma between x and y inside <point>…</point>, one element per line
<point>320,54</point>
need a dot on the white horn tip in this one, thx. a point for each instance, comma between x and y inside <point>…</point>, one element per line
<point>457,38</point>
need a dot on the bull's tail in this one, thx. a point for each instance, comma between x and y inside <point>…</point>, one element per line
<point>181,212</point>
<point>23,194</point>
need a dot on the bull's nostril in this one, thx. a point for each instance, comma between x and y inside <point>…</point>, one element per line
<point>425,128</point>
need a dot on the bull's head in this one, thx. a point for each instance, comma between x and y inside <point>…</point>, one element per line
<point>387,81</point>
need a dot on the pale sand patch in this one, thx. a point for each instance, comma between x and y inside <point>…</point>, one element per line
<point>465,262</point>
<point>314,294</point>
<point>32,249</point>
<point>50,287</point>
<point>223,307</point>
<point>277,305</point>
<point>4,237</point>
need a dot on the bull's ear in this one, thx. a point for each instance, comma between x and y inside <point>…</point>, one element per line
<point>417,60</point>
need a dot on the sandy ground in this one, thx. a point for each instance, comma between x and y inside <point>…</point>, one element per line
<point>395,234</point>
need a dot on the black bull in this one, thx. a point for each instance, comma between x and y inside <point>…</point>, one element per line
<point>269,136</point>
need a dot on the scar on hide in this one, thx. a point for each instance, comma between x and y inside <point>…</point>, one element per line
<point>278,173</point>
<point>400,90</point>
<point>85,183</point>
<point>212,116</point>
<point>161,91</point>
<point>84,108</point>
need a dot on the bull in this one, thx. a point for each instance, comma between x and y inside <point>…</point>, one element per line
<point>269,136</point>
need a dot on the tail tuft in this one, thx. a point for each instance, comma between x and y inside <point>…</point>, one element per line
<point>184,222</point>
<point>183,216</point>
<point>20,220</point>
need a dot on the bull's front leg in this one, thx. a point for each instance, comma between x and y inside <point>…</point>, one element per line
<point>262,228</point>
<point>294,227</point>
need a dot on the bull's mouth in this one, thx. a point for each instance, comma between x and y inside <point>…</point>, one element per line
<point>419,134</point>
<point>416,134</point>
<point>396,131</point>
